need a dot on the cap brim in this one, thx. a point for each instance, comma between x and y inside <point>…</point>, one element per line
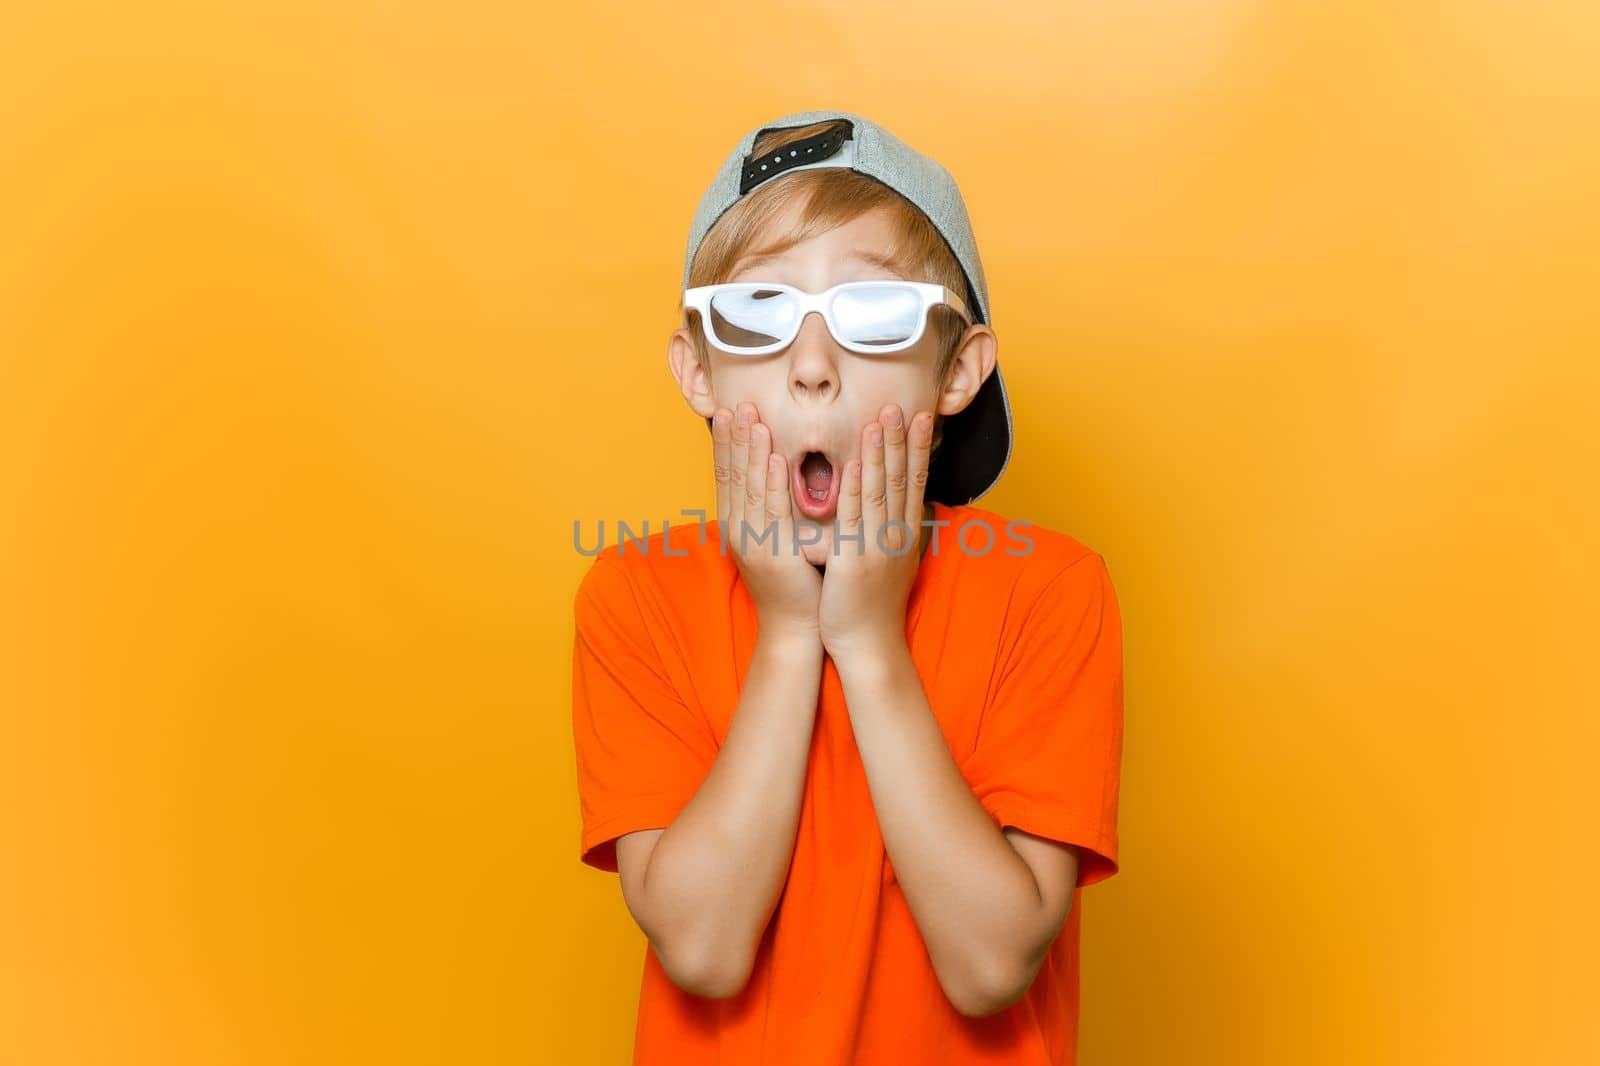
<point>975,448</point>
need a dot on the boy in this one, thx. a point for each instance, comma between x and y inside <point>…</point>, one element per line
<point>854,749</point>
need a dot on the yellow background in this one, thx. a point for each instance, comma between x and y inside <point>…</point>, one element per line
<point>320,324</point>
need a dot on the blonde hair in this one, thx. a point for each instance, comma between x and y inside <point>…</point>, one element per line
<point>830,197</point>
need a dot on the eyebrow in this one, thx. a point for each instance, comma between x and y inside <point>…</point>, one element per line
<point>870,258</point>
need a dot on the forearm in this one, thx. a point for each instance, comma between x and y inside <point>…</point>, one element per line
<point>716,873</point>
<point>975,901</point>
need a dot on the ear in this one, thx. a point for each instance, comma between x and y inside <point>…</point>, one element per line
<point>970,367</point>
<point>693,382</point>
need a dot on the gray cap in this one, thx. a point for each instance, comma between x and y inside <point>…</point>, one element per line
<point>977,441</point>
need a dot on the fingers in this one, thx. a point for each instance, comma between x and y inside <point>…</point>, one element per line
<point>755,479</point>
<point>752,481</point>
<point>894,462</point>
<point>738,464</point>
<point>889,481</point>
<point>721,444</point>
<point>874,501</point>
<point>919,449</point>
<point>848,511</point>
<point>778,492</point>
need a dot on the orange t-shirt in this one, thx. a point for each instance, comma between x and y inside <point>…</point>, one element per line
<point>1019,651</point>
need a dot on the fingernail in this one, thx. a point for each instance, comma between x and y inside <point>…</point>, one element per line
<point>875,434</point>
<point>743,418</point>
<point>893,421</point>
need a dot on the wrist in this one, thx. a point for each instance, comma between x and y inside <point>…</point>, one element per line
<point>788,638</point>
<point>868,653</point>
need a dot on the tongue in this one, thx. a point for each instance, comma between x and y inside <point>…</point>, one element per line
<point>817,471</point>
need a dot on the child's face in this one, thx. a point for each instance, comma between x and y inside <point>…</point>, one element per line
<point>816,394</point>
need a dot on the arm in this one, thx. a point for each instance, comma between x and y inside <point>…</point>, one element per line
<point>704,888</point>
<point>987,903</point>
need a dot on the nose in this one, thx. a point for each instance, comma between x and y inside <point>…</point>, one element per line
<point>813,368</point>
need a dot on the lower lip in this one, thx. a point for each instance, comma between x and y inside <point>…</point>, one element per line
<point>809,506</point>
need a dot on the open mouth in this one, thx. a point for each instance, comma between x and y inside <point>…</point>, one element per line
<point>816,485</point>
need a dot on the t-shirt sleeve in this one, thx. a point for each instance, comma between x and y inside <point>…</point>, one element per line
<point>641,750</point>
<point>1049,748</point>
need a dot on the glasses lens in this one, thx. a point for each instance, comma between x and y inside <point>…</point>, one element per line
<point>751,318</point>
<point>878,315</point>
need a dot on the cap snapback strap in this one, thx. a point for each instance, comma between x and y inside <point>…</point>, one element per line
<point>830,148</point>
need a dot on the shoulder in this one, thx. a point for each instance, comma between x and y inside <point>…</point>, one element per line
<point>662,561</point>
<point>1024,557</point>
<point>1033,587</point>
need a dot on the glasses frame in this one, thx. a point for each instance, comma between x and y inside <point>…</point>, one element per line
<point>933,295</point>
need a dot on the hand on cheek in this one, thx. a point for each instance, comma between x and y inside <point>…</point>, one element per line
<point>877,548</point>
<point>755,519</point>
